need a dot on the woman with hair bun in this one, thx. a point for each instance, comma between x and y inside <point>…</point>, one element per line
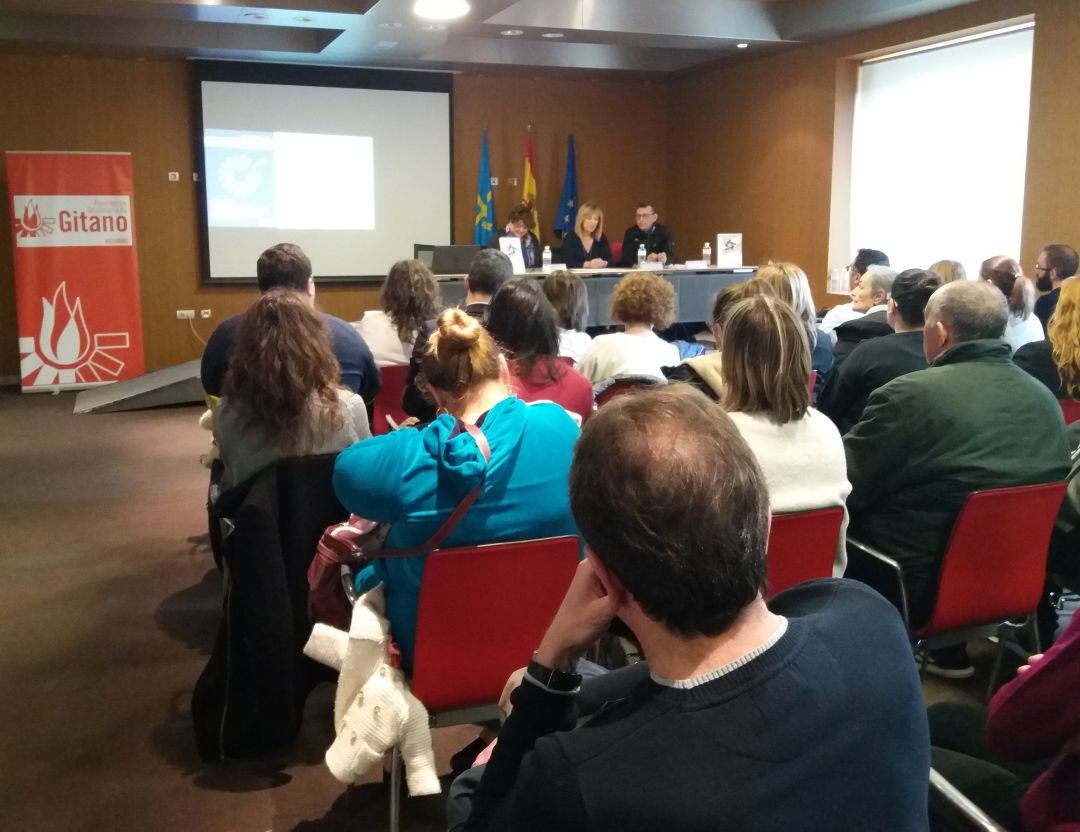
<point>282,394</point>
<point>414,478</point>
<point>1023,326</point>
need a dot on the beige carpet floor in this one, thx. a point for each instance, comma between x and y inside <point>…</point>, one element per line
<point>108,605</point>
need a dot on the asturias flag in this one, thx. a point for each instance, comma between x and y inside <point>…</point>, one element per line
<point>528,183</point>
<point>484,224</point>
<point>568,201</point>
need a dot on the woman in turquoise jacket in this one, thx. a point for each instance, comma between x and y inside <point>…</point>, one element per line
<point>414,479</point>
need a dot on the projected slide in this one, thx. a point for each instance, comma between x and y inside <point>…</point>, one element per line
<point>289,180</point>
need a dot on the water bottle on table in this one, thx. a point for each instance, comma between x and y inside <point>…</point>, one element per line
<point>706,254</point>
<point>641,254</point>
<point>545,259</point>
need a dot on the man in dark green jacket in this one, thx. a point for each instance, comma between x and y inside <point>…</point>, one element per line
<point>972,420</point>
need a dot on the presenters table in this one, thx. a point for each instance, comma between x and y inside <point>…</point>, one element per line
<point>694,289</point>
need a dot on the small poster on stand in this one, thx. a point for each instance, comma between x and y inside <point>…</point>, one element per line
<point>511,247</point>
<point>728,251</point>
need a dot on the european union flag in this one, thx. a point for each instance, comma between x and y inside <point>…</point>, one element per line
<point>568,201</point>
<point>484,224</point>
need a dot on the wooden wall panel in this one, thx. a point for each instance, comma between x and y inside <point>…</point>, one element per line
<point>751,145</point>
<point>619,142</point>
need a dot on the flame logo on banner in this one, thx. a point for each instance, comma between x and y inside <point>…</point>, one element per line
<point>32,224</point>
<point>64,351</point>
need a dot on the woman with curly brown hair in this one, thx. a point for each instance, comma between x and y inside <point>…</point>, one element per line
<point>282,393</point>
<point>642,302</point>
<point>409,297</point>
<point>518,224</point>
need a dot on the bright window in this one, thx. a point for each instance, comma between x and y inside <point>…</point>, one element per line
<point>939,152</point>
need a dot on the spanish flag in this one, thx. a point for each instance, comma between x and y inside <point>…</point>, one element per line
<point>528,183</point>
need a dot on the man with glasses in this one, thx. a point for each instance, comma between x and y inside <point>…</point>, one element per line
<point>659,245</point>
<point>1056,264</point>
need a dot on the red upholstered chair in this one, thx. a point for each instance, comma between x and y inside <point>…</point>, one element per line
<point>616,252</point>
<point>802,546</point>
<point>1070,409</point>
<point>992,571</point>
<point>388,399</point>
<point>482,612</point>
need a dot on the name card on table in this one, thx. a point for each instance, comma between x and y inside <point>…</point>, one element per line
<point>728,251</point>
<point>511,247</point>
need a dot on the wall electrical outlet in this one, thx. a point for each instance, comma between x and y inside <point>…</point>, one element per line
<point>204,313</point>
<point>512,181</point>
<point>185,314</point>
<point>174,176</point>
<point>494,181</point>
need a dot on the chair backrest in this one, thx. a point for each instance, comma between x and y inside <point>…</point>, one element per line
<point>388,399</point>
<point>616,252</point>
<point>802,546</point>
<point>1070,409</point>
<point>995,562</point>
<point>482,612</point>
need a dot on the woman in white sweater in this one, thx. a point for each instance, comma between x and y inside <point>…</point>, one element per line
<point>409,297</point>
<point>642,302</point>
<point>766,373</point>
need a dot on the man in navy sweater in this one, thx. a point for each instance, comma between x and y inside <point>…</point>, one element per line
<point>804,714</point>
<point>286,266</point>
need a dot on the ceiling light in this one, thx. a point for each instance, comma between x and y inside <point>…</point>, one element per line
<point>741,45</point>
<point>304,19</point>
<point>255,15</point>
<point>386,44</point>
<point>552,35</point>
<point>440,9</point>
<point>389,24</point>
<point>434,27</point>
<point>512,33</point>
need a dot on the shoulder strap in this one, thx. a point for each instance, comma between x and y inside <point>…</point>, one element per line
<point>433,542</point>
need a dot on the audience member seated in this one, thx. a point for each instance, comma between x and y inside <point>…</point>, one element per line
<point>646,231</point>
<point>1055,361</point>
<point>642,302</point>
<point>522,321</point>
<point>744,716</point>
<point>519,222</point>
<point>864,259</point>
<point>1020,761</point>
<point>566,292</point>
<point>972,420</point>
<point>877,361</point>
<point>586,247</point>
<point>766,368</point>
<point>704,371</point>
<point>409,297</point>
<point>948,271</point>
<point>282,393</point>
<point>870,299</point>
<point>1006,275</point>
<point>414,478</point>
<point>488,271</point>
<point>789,283</point>
<point>1056,264</point>
<point>285,266</point>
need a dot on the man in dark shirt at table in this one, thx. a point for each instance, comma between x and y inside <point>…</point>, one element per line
<point>285,266</point>
<point>659,245</point>
<point>746,716</point>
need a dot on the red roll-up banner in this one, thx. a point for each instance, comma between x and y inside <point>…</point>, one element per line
<point>76,270</point>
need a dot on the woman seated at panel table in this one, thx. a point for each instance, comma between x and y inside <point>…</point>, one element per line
<point>409,297</point>
<point>766,372</point>
<point>586,247</point>
<point>642,302</point>
<point>566,292</point>
<point>282,394</point>
<point>522,322</point>
<point>518,224</point>
<point>413,479</point>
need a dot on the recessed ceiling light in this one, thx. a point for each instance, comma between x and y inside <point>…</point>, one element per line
<point>552,35</point>
<point>440,9</point>
<point>512,33</point>
<point>434,27</point>
<point>386,44</point>
<point>741,45</point>
<point>304,19</point>
<point>255,15</point>
<point>389,24</point>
